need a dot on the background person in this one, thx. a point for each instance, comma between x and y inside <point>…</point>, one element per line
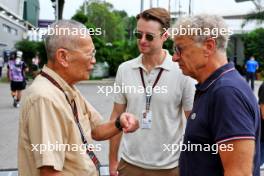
<point>35,65</point>
<point>1,65</point>
<point>261,104</point>
<point>16,69</point>
<point>251,68</point>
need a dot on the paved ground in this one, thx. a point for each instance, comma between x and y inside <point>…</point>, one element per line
<point>9,121</point>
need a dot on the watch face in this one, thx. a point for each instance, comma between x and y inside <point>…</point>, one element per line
<point>118,124</point>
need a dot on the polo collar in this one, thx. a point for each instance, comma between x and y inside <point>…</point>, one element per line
<point>70,92</point>
<point>215,76</point>
<point>166,65</point>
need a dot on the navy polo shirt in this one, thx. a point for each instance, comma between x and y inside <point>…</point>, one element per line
<point>224,109</point>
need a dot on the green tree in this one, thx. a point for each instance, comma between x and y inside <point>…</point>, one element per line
<point>255,16</point>
<point>102,15</point>
<point>29,49</point>
<point>118,43</point>
<point>81,17</point>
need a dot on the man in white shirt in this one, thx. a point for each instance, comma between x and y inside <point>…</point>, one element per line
<point>162,99</point>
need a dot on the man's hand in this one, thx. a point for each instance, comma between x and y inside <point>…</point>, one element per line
<point>129,122</point>
<point>113,168</point>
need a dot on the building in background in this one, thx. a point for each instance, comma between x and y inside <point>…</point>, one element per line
<point>13,26</point>
<point>31,11</point>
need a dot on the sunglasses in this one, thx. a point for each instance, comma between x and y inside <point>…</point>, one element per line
<point>149,37</point>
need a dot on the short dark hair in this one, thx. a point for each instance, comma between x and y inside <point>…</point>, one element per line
<point>160,15</point>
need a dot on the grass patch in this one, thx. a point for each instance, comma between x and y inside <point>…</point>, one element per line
<point>4,80</point>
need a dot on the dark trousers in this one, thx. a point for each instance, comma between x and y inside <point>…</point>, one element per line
<point>0,72</point>
<point>261,152</point>
<point>251,78</point>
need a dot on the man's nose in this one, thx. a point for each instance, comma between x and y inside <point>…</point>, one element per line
<point>93,61</point>
<point>175,57</point>
<point>143,39</point>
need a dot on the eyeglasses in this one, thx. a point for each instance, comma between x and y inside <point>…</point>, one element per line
<point>91,56</point>
<point>149,37</point>
<point>177,50</point>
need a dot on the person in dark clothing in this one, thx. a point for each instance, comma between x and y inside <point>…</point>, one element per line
<point>261,104</point>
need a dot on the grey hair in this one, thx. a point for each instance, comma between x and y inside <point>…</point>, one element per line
<point>63,34</point>
<point>204,26</point>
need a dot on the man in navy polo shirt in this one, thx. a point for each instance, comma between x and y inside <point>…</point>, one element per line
<point>222,132</point>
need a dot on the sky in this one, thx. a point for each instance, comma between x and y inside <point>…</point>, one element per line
<point>132,7</point>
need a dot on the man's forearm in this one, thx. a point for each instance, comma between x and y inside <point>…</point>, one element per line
<point>105,131</point>
<point>114,147</point>
<point>262,110</point>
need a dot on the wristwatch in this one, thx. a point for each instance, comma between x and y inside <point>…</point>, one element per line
<point>118,124</point>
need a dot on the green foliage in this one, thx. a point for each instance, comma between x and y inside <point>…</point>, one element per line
<point>119,52</point>
<point>254,43</point>
<point>79,16</point>
<point>117,44</point>
<point>254,16</point>
<point>169,46</point>
<point>29,49</point>
<point>101,15</point>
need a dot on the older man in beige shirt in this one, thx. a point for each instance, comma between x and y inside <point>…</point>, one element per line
<point>57,124</point>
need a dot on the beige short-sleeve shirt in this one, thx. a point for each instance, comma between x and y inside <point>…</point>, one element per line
<point>48,133</point>
<point>174,94</point>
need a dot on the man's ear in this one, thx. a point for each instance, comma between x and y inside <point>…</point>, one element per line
<point>62,58</point>
<point>165,35</point>
<point>210,46</point>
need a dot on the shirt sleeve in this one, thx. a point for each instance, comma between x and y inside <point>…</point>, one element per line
<point>119,97</point>
<point>188,94</point>
<point>95,117</point>
<point>232,116</point>
<point>45,130</point>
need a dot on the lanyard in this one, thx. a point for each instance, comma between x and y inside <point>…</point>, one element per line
<point>149,95</point>
<point>75,113</point>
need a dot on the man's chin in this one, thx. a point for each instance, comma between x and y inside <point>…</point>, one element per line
<point>144,50</point>
<point>185,72</point>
